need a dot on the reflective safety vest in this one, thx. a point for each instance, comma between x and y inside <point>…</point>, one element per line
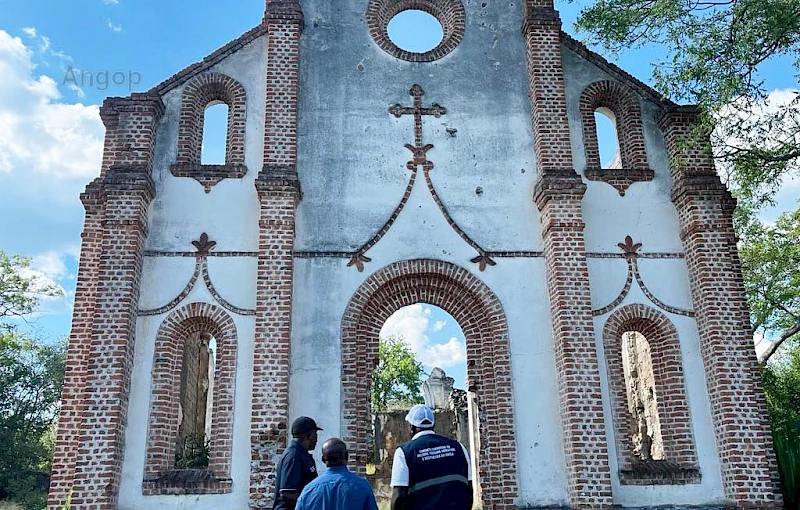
<point>437,472</point>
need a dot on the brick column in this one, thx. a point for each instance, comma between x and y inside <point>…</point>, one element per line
<point>279,192</point>
<point>127,191</point>
<point>78,352</point>
<point>558,195</point>
<point>705,210</point>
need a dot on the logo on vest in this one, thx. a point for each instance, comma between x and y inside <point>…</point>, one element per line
<point>437,452</point>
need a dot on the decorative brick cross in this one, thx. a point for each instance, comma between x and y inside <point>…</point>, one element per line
<point>418,150</point>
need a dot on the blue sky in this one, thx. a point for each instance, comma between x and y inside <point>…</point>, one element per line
<point>51,135</point>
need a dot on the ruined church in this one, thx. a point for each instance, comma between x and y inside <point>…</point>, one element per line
<point>609,351</point>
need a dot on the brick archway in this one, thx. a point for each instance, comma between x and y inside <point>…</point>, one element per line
<point>481,317</point>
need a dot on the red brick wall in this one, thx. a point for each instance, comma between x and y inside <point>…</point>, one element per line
<point>738,408</point>
<point>481,317</point>
<point>162,437</point>
<point>73,397</point>
<point>279,192</point>
<point>558,196</point>
<point>126,191</point>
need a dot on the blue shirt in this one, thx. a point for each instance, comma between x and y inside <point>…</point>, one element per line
<point>337,489</point>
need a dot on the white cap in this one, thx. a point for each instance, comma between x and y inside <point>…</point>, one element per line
<point>420,416</point>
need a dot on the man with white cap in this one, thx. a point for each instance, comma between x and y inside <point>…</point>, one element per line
<point>430,471</point>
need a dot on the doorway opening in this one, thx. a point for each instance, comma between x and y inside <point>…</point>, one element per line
<point>480,314</point>
<point>422,358</point>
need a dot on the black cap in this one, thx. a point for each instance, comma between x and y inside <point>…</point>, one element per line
<point>302,425</point>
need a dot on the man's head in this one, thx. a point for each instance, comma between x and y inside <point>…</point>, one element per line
<point>304,429</point>
<point>334,452</point>
<point>420,417</point>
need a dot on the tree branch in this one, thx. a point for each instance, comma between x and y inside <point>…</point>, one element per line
<point>766,355</point>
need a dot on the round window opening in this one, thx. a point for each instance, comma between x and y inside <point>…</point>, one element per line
<point>415,31</point>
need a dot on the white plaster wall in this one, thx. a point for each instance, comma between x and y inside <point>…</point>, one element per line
<point>352,168</point>
<point>175,272</point>
<point>181,210</point>
<point>351,163</point>
<point>645,212</point>
<point>667,280</point>
<point>179,214</point>
<point>647,215</point>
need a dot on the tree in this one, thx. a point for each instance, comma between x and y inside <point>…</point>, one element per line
<point>782,386</point>
<point>770,258</point>
<point>397,379</point>
<point>717,50</point>
<point>31,377</point>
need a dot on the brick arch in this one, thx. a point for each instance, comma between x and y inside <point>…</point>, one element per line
<point>163,424</point>
<point>626,109</point>
<point>481,317</point>
<point>204,91</point>
<point>450,14</point>
<point>680,463</point>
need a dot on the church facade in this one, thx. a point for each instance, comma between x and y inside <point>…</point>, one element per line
<point>609,350</point>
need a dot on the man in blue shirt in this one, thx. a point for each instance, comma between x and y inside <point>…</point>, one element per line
<point>337,488</point>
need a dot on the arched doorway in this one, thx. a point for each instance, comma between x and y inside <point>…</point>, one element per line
<point>483,321</point>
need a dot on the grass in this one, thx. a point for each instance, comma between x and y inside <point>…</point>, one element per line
<point>7,505</point>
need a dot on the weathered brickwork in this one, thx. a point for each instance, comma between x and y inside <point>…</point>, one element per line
<point>481,317</point>
<point>624,106</point>
<point>738,408</point>
<point>679,464</point>
<point>450,14</point>
<point>204,91</point>
<point>73,397</point>
<point>278,192</point>
<point>558,195</point>
<point>127,190</point>
<point>162,438</point>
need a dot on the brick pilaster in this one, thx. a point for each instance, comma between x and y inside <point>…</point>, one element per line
<point>558,195</point>
<point>78,352</point>
<point>127,190</point>
<point>279,192</point>
<point>738,409</point>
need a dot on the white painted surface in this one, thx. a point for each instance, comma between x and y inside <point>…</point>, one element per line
<point>667,280</point>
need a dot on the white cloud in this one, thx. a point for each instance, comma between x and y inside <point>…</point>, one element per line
<point>29,31</point>
<point>412,323</point>
<point>775,119</point>
<point>111,2</point>
<point>41,134</point>
<point>439,325</point>
<point>112,26</point>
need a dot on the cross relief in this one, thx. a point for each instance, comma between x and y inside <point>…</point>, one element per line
<point>419,152</point>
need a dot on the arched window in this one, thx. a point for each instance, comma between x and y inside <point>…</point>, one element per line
<point>190,435</point>
<point>640,385</point>
<point>651,415</point>
<point>196,401</point>
<point>201,98</point>
<point>215,130</point>
<point>607,138</point>
<point>615,152</point>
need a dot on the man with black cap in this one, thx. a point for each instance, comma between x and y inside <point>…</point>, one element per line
<point>296,467</point>
<point>430,472</point>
